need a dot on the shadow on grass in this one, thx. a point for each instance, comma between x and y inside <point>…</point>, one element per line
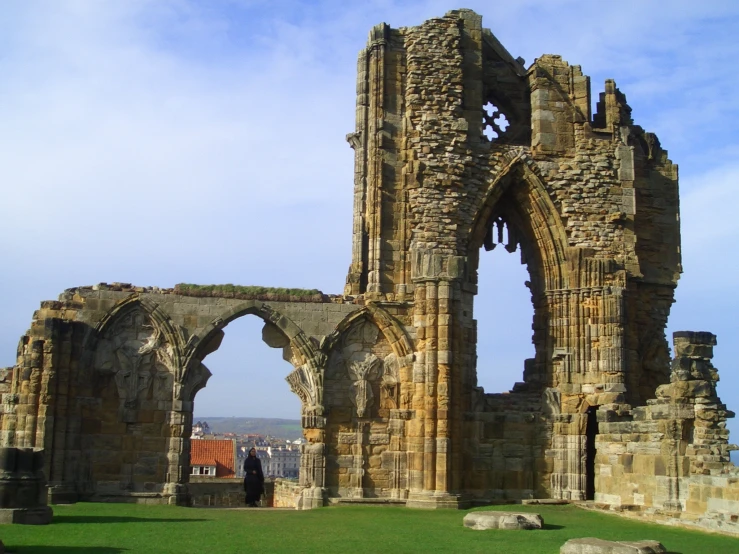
<point>550,527</point>
<point>119,519</point>
<point>63,549</point>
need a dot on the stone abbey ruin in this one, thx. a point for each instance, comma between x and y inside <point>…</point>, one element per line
<point>459,149</point>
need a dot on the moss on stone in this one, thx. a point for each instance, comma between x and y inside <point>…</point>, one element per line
<point>249,292</point>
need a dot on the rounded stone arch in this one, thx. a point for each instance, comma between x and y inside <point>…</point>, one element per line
<point>389,326</point>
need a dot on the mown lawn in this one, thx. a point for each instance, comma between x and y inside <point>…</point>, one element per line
<point>88,528</point>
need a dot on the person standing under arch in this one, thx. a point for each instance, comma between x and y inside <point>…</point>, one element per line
<point>253,479</point>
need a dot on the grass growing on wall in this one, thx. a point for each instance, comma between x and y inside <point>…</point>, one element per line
<point>89,528</point>
<point>239,291</point>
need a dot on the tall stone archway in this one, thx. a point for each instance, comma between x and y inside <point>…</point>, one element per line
<point>305,381</point>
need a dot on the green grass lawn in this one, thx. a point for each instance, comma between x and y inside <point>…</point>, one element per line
<point>88,528</point>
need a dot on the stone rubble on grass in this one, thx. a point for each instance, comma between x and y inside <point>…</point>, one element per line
<point>502,520</point>
<point>599,546</point>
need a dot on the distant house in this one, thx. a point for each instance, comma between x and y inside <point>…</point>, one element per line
<point>282,462</point>
<point>213,458</point>
<point>200,429</point>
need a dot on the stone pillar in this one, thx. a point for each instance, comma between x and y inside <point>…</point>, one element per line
<point>378,45</point>
<point>395,460</point>
<point>178,454</point>
<point>23,493</point>
<point>415,439</point>
<point>356,279</point>
<point>443,390</point>
<point>312,475</point>
<point>435,280</point>
<point>693,383</point>
<point>431,374</point>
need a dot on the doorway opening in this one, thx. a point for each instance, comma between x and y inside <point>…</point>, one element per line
<point>591,432</point>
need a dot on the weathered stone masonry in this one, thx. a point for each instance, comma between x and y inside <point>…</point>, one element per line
<point>459,149</point>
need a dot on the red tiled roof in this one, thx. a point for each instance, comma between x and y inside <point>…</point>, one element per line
<point>219,453</point>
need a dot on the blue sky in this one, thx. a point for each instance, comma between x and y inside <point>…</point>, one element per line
<point>167,141</point>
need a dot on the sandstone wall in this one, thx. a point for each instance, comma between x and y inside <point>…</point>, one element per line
<point>459,149</point>
<point>287,494</point>
<point>670,458</point>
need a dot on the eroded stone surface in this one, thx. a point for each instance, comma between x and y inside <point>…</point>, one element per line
<point>503,520</point>
<point>600,546</point>
<point>459,149</point>
<point>23,497</point>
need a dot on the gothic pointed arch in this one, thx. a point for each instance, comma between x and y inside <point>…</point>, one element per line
<point>518,194</point>
<point>388,325</point>
<point>306,380</point>
<point>172,333</point>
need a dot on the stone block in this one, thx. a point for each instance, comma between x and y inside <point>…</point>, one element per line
<point>502,520</point>
<point>23,492</point>
<point>40,515</point>
<point>600,546</point>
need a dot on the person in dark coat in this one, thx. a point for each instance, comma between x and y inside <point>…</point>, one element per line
<point>253,479</point>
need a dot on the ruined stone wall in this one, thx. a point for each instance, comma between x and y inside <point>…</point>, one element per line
<point>106,381</point>
<point>461,141</point>
<point>670,458</point>
<point>459,149</point>
<point>287,494</point>
<point>214,492</point>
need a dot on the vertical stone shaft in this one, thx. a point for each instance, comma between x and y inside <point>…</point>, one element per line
<point>431,355</point>
<point>444,385</point>
<point>375,159</point>
<point>415,441</point>
<point>358,141</point>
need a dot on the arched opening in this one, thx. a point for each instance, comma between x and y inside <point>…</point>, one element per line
<point>503,311</point>
<point>247,403</point>
<point>248,376</point>
<point>521,227</point>
<point>525,270</point>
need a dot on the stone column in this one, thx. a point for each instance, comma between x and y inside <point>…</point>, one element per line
<point>436,277</point>
<point>431,369</point>
<point>443,390</point>
<point>179,420</point>
<point>312,475</point>
<point>415,441</point>
<point>374,168</point>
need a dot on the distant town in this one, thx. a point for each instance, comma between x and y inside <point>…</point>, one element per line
<point>219,450</point>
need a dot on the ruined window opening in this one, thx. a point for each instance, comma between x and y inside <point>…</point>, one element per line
<point>494,122</point>
<point>503,310</point>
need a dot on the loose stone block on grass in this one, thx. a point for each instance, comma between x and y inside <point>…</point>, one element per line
<point>600,546</point>
<point>502,520</point>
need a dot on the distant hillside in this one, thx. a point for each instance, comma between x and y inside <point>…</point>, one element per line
<point>283,428</point>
